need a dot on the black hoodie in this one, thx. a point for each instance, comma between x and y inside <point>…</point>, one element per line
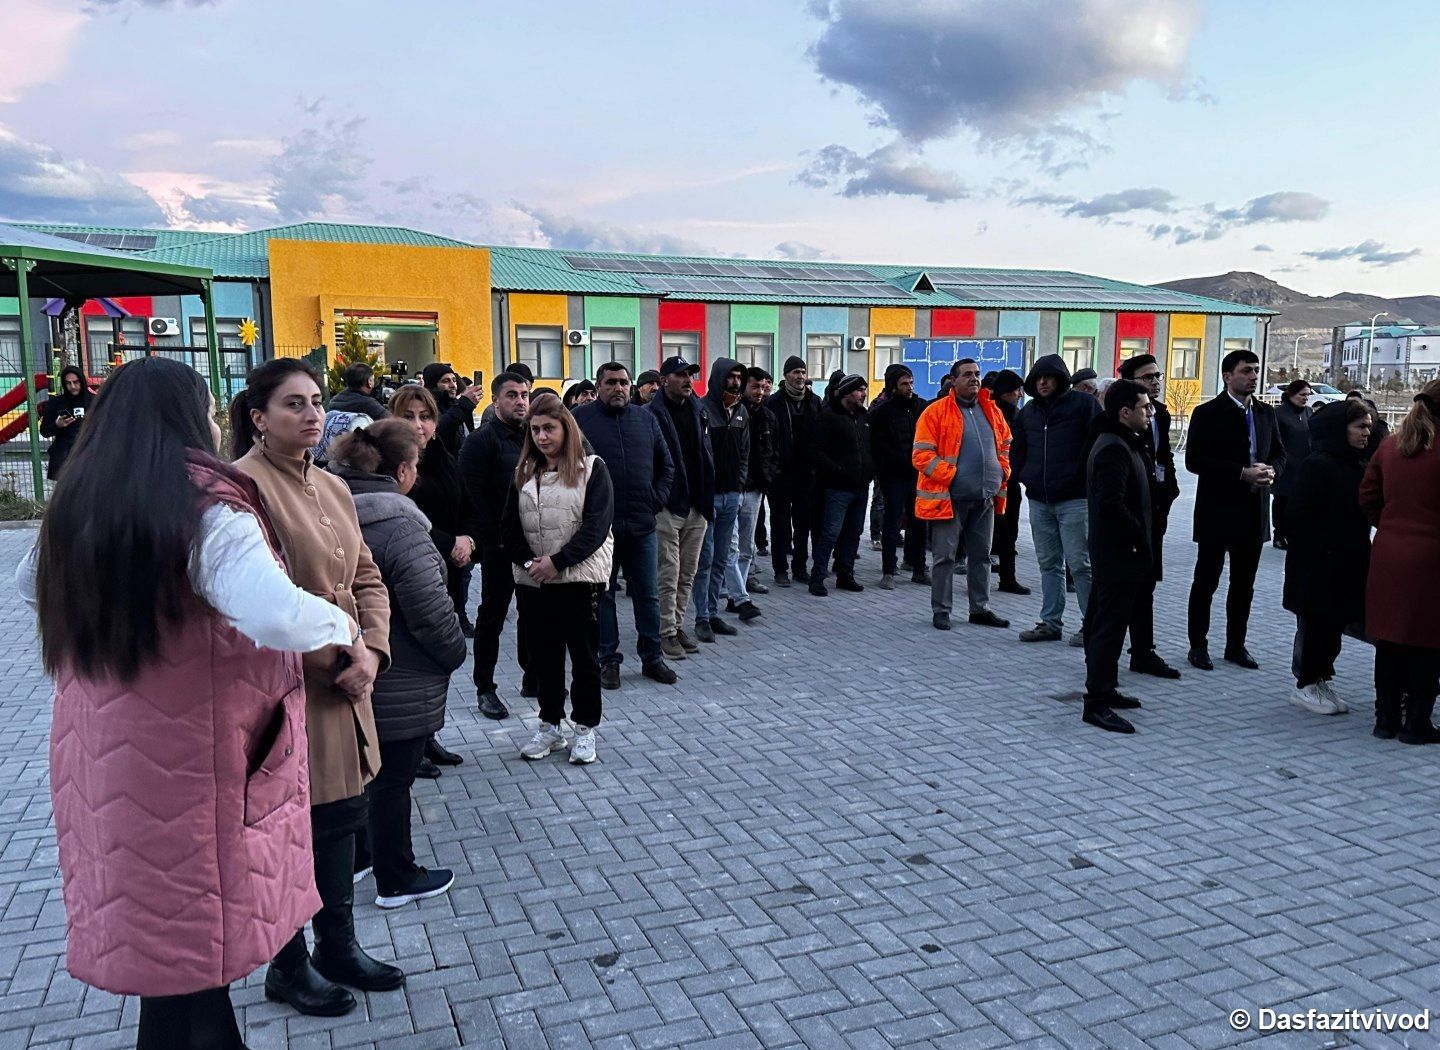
<point>729,428</point>
<point>892,428</point>
<point>58,405</point>
<point>1121,472</point>
<point>1051,436</point>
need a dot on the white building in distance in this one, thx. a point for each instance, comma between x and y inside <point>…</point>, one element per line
<point>1407,352</point>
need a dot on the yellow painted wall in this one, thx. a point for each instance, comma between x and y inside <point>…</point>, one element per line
<point>887,320</point>
<point>1188,326</point>
<point>529,308</point>
<point>311,280</point>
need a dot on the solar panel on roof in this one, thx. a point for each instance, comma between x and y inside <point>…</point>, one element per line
<point>135,242</point>
<point>105,240</point>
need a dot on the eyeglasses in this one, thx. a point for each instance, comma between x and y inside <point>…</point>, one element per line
<point>1148,377</point>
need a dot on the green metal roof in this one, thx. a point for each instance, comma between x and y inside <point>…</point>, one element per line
<point>69,269</point>
<point>248,254</point>
<point>105,236</point>
<point>545,270</point>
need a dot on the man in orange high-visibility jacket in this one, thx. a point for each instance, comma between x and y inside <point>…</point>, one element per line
<point>962,456</point>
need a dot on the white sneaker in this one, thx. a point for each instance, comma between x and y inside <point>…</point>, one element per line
<point>1313,700</point>
<point>547,738</point>
<point>1328,691</point>
<point>582,749</point>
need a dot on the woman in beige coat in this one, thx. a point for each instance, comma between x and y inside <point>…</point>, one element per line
<point>275,421</point>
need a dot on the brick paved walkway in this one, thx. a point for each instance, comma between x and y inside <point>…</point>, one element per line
<point>846,829</point>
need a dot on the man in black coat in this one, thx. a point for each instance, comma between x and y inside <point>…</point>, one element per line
<point>358,395</point>
<point>1119,477</point>
<point>1164,491</point>
<point>843,472</point>
<point>1234,448</point>
<point>760,472</point>
<point>628,439</point>
<point>487,463</point>
<point>892,435</point>
<point>1005,388</point>
<point>797,415</point>
<point>728,427</point>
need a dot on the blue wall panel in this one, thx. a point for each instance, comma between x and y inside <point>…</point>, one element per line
<point>932,359</point>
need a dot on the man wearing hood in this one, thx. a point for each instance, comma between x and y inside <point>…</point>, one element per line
<point>797,413</point>
<point>440,379</point>
<point>62,415</point>
<point>1051,441</point>
<point>1120,470</point>
<point>728,426</point>
<point>1005,391</point>
<point>962,458</point>
<point>843,472</point>
<point>760,472</point>
<point>892,434</point>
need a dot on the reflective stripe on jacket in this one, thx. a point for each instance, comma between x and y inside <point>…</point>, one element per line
<point>938,434</point>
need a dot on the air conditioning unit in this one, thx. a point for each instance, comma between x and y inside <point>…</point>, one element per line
<point>860,342</point>
<point>164,326</point>
<point>577,337</point>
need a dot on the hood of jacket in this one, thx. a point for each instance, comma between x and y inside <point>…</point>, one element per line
<point>1329,432</point>
<point>378,497</point>
<point>432,373</point>
<point>1049,365</point>
<point>720,370</point>
<point>893,374</point>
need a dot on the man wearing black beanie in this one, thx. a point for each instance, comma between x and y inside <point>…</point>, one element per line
<point>1005,387</point>
<point>797,414</point>
<point>892,435</point>
<point>843,471</point>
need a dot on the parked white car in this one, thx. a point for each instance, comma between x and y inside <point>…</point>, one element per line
<point>1320,394</point>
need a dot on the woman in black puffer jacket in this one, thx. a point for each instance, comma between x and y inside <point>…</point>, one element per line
<point>380,465</point>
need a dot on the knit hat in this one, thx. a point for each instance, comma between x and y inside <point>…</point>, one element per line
<point>1083,375</point>
<point>893,374</point>
<point>850,383</point>
<point>647,376</point>
<point>791,363</point>
<point>520,368</point>
<point>1006,381</point>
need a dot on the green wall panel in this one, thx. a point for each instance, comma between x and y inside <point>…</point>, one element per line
<point>755,318</point>
<point>9,307</point>
<point>609,311</point>
<point>1079,322</point>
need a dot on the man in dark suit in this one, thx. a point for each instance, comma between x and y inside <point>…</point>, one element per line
<point>1164,491</point>
<point>1234,448</point>
<point>1118,484</point>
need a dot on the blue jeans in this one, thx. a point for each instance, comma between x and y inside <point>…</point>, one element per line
<point>840,527</point>
<point>715,555</point>
<point>742,562</point>
<point>637,556</point>
<point>1061,535</point>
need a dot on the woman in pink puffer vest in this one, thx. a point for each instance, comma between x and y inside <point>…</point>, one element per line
<point>178,749</point>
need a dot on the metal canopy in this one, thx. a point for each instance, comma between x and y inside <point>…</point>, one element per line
<point>65,269</point>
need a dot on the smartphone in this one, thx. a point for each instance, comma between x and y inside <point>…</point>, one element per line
<point>479,376</point>
<point>78,413</point>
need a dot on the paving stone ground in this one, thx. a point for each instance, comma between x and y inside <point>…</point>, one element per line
<point>845,829</point>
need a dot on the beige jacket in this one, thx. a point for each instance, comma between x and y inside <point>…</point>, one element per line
<point>319,532</point>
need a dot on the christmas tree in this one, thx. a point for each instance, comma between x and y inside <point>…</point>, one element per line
<point>353,350</point>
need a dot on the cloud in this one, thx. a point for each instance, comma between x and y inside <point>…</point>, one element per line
<point>556,230</point>
<point>156,5</point>
<point>1286,206</point>
<point>800,250</point>
<point>1262,248</point>
<point>38,38</point>
<point>892,170</point>
<point>1106,205</point>
<point>40,184</point>
<point>146,140</point>
<point>1009,68</point>
<point>1368,252</point>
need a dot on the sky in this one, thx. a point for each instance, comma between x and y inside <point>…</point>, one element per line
<point>1146,140</point>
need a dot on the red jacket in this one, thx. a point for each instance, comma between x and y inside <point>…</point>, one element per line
<point>1401,496</point>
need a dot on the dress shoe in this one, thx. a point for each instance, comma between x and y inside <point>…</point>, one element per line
<point>491,706</point>
<point>427,770</point>
<point>610,676</point>
<point>304,990</point>
<point>1241,658</point>
<point>703,631</point>
<point>1107,720</point>
<point>986,618</point>
<point>921,576</point>
<point>801,575</point>
<point>818,588</point>
<point>659,671</point>
<point>1121,702</point>
<point>1200,658</point>
<point>782,579</point>
<point>722,627</point>
<point>1012,587</point>
<point>849,583</point>
<point>441,755</point>
<point>940,621</point>
<point>1151,664</point>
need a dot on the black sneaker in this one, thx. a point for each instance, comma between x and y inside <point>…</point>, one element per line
<point>426,883</point>
<point>1041,632</point>
<point>818,588</point>
<point>849,583</point>
<point>782,579</point>
<point>719,626</point>
<point>610,676</point>
<point>747,611</point>
<point>660,671</point>
<point>801,575</point>
<point>703,631</point>
<point>940,621</point>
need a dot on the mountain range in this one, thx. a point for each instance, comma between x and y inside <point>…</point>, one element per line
<point>1310,318</point>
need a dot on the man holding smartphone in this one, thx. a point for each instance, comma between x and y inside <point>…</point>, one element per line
<point>62,415</point>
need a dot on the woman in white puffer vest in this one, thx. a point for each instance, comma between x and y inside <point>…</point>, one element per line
<point>556,529</point>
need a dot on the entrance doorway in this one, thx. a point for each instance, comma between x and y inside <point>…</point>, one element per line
<point>396,335</point>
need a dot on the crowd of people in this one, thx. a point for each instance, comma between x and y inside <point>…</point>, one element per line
<point>252,653</point>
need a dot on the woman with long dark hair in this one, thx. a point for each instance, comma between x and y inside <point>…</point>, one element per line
<point>62,415</point>
<point>275,421</point>
<point>1401,495</point>
<point>556,530</point>
<point>380,464</point>
<point>178,751</point>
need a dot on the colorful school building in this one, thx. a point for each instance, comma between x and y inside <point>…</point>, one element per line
<point>287,291</point>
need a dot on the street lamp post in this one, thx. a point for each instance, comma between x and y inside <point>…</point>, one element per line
<point>1295,357</point>
<point>1370,349</point>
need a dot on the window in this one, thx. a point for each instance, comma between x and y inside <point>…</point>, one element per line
<point>542,348</point>
<point>1078,352</point>
<point>613,344</point>
<point>1184,359</point>
<point>822,355</point>
<point>10,343</point>
<point>755,349</point>
<point>1235,344</point>
<point>680,344</point>
<point>99,335</point>
<point>1131,347</point>
<point>888,351</point>
<point>227,329</point>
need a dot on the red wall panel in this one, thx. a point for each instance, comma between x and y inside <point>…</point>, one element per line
<point>952,323</point>
<point>1133,326</point>
<point>686,317</point>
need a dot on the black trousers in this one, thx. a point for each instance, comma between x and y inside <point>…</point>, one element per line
<point>1209,563</point>
<point>898,512</point>
<point>762,542</point>
<point>457,582</point>
<point>1317,644</point>
<point>1278,506</point>
<point>569,613</point>
<point>333,826</point>
<point>497,588</point>
<point>790,525</point>
<point>198,1021</point>
<point>1408,670</point>
<point>391,850</point>
<point>1007,532</point>
<point>1108,617</point>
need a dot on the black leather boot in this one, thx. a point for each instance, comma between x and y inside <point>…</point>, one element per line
<point>1388,706</point>
<point>291,979</point>
<point>337,955</point>
<point>1418,728</point>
